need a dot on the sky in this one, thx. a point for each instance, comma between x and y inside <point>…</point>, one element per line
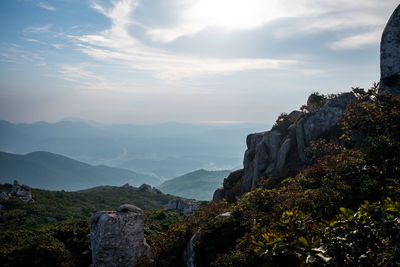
<point>197,61</point>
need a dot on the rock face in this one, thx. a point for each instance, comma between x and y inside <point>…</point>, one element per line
<point>149,189</point>
<point>21,191</point>
<point>218,194</point>
<point>271,153</point>
<point>390,55</point>
<point>185,206</point>
<point>117,237</point>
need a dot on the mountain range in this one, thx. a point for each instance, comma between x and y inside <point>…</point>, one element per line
<point>46,170</point>
<point>166,150</point>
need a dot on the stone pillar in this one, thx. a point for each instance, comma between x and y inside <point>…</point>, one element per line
<point>390,55</point>
<point>117,237</point>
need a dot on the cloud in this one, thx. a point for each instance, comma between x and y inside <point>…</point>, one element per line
<point>78,74</point>
<point>306,16</point>
<point>39,29</point>
<point>117,45</point>
<point>46,6</point>
<point>359,40</point>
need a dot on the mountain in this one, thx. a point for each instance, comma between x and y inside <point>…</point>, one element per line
<point>51,171</point>
<point>199,184</point>
<point>166,150</point>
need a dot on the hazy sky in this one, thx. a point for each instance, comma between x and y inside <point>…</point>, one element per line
<point>182,60</point>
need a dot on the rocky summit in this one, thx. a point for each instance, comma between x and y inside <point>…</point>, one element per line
<point>390,55</point>
<point>117,237</point>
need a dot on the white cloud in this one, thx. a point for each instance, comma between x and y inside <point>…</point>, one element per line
<point>117,45</point>
<point>46,6</point>
<point>314,16</point>
<point>85,79</point>
<point>39,29</point>
<point>359,40</point>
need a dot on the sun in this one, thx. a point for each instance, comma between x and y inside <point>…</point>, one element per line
<point>234,14</point>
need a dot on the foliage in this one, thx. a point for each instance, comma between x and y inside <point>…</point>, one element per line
<point>63,205</point>
<point>307,220</point>
<point>61,244</point>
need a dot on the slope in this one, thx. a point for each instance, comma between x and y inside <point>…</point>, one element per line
<point>51,171</point>
<point>199,184</point>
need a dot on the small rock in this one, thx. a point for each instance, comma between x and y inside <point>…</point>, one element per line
<point>4,195</point>
<point>224,215</point>
<point>51,219</point>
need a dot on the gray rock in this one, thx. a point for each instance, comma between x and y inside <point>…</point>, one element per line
<point>273,152</point>
<point>51,219</point>
<point>224,215</point>
<point>390,55</point>
<point>185,206</point>
<point>21,191</point>
<point>117,237</point>
<point>4,195</point>
<point>189,254</point>
<point>149,189</point>
<point>218,194</point>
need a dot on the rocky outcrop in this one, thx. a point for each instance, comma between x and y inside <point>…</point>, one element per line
<point>181,205</point>
<point>280,151</point>
<point>117,237</point>
<point>21,191</point>
<point>4,196</point>
<point>189,254</point>
<point>275,152</point>
<point>219,194</point>
<point>390,55</point>
<point>149,189</point>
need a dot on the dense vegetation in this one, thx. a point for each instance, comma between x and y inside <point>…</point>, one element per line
<point>340,209</point>
<point>29,238</point>
<point>199,184</point>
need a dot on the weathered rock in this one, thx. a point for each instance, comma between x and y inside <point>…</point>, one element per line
<point>21,191</point>
<point>4,195</point>
<point>224,215</point>
<point>117,237</point>
<point>390,55</point>
<point>149,189</point>
<point>185,206</point>
<point>274,152</point>
<point>218,194</point>
<point>189,254</point>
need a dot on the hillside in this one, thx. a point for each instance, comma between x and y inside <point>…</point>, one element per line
<point>51,171</point>
<point>63,205</point>
<point>199,184</point>
<point>341,207</point>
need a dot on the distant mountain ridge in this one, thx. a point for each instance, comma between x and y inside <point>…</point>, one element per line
<point>199,184</point>
<point>166,149</point>
<point>47,170</point>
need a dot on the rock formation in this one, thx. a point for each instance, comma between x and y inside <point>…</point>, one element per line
<point>279,152</point>
<point>390,55</point>
<point>117,237</point>
<point>185,206</point>
<point>149,189</point>
<point>21,191</point>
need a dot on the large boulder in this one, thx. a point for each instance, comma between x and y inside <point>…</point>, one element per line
<point>277,152</point>
<point>390,55</point>
<point>181,205</point>
<point>117,237</point>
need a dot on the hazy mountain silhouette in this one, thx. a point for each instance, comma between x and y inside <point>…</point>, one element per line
<point>51,171</point>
